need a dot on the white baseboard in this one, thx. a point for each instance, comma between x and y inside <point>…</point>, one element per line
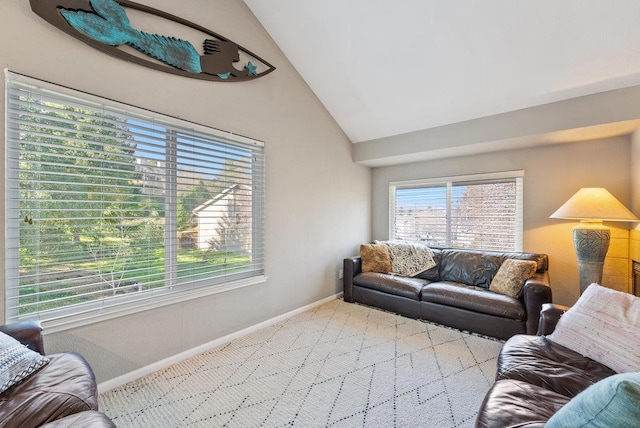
<point>162,364</point>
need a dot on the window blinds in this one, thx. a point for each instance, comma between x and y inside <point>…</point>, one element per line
<point>108,204</point>
<point>465,213</point>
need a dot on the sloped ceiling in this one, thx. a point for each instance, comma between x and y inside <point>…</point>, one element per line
<point>387,68</point>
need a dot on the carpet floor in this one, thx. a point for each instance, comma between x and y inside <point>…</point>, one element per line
<point>337,365</point>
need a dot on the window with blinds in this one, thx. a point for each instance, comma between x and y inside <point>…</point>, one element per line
<point>483,212</point>
<point>108,205</point>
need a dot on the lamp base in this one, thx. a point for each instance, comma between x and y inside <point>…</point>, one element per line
<point>591,243</point>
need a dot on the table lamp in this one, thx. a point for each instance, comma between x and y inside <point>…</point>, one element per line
<point>592,206</point>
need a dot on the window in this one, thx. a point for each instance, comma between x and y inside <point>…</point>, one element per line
<point>483,212</point>
<point>111,207</point>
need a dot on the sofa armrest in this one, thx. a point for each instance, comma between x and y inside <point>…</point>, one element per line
<point>549,317</point>
<point>26,332</point>
<point>352,266</point>
<point>537,292</point>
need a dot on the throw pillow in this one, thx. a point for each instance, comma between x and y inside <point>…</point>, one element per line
<point>375,258</point>
<point>611,402</point>
<point>16,362</point>
<point>603,325</point>
<point>510,278</point>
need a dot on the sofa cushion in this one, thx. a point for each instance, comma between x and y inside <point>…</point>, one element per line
<point>476,267</point>
<point>539,361</point>
<point>396,285</point>
<point>603,325</point>
<point>432,274</point>
<point>511,275</point>
<point>614,401</point>
<point>468,267</point>
<point>17,362</point>
<point>513,403</point>
<point>63,387</point>
<point>375,258</point>
<point>473,299</point>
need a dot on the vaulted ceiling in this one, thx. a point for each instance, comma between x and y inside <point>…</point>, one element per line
<point>385,68</point>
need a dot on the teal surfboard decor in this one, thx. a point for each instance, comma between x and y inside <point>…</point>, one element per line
<point>105,25</point>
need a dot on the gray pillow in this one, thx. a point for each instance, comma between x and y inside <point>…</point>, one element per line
<point>611,402</point>
<point>16,362</point>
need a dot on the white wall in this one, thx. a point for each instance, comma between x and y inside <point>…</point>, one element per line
<point>552,175</point>
<point>317,200</point>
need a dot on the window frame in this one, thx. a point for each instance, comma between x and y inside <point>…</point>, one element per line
<point>449,182</point>
<point>65,318</point>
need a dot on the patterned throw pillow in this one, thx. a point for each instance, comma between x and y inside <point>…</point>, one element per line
<point>603,325</point>
<point>16,362</point>
<point>510,278</point>
<point>375,258</point>
<point>612,402</point>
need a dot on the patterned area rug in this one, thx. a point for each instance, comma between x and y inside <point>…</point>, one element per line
<point>337,365</point>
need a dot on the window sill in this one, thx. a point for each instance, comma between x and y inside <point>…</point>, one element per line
<point>104,314</point>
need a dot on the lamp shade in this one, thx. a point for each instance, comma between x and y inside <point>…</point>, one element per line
<point>594,204</point>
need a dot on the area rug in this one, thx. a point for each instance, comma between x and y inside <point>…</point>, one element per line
<point>337,365</point>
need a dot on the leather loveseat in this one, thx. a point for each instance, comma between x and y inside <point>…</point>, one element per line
<point>455,292</point>
<point>62,393</point>
<point>536,377</point>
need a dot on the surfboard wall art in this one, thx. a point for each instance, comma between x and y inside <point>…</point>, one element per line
<point>108,25</point>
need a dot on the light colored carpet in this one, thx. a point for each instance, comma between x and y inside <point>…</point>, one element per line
<point>337,365</point>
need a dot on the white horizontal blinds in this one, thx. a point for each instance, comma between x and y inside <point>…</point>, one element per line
<point>483,215</point>
<point>467,212</point>
<point>216,202</point>
<point>421,215</point>
<point>101,205</point>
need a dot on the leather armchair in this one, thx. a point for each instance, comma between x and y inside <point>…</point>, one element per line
<point>535,377</point>
<point>61,393</point>
<point>27,332</point>
<point>549,316</point>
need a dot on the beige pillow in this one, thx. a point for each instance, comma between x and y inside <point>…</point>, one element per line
<point>511,277</point>
<point>603,325</point>
<point>375,258</point>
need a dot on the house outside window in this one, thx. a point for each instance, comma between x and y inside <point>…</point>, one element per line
<point>110,207</point>
<point>477,211</point>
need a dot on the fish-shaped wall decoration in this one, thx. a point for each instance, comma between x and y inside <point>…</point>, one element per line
<point>105,25</point>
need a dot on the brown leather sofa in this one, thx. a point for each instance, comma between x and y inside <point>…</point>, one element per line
<point>455,292</point>
<point>63,393</point>
<point>536,377</point>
